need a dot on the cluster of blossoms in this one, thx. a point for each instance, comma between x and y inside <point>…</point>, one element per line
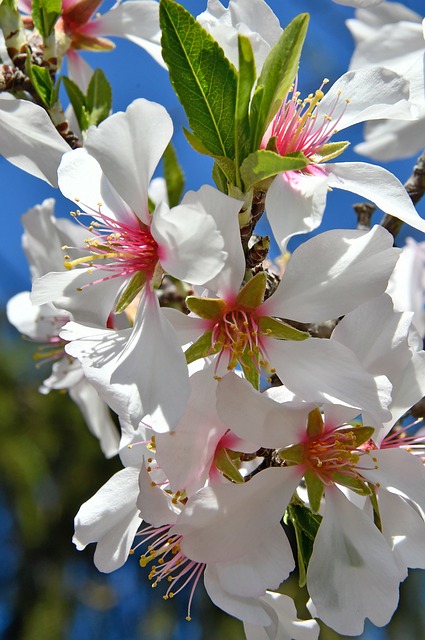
<point>252,404</point>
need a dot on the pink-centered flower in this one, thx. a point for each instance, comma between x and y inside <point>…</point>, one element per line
<point>42,241</point>
<point>325,277</point>
<point>127,249</point>
<point>81,27</point>
<point>354,572</point>
<point>308,125</point>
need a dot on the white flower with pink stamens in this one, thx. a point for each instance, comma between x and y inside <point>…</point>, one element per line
<point>42,241</point>
<point>127,250</point>
<point>296,200</point>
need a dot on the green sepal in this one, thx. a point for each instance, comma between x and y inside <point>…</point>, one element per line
<point>361,434</point>
<point>330,151</point>
<point>264,164</point>
<point>245,82</point>
<point>355,484</point>
<point>294,454</point>
<point>42,82</point>
<point>250,372</point>
<point>173,175</point>
<point>376,512</point>
<point>315,488</point>
<point>277,76</point>
<point>204,80</point>
<point>99,99</point>
<point>306,525</point>
<point>200,349</point>
<point>223,463</point>
<point>252,293</point>
<point>279,329</point>
<point>134,287</point>
<point>207,308</point>
<point>45,14</point>
<point>315,424</point>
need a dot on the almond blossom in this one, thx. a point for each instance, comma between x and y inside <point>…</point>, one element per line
<point>391,35</point>
<point>353,572</point>
<point>322,280</point>
<point>127,251</point>
<point>42,241</point>
<point>81,27</point>
<point>308,125</point>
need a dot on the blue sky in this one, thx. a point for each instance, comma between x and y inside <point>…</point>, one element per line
<point>133,74</point>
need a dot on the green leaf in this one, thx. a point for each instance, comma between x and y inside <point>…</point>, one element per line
<point>202,77</point>
<point>45,14</point>
<point>306,525</point>
<point>219,178</point>
<point>174,176</point>
<point>252,293</point>
<point>277,76</point>
<point>99,98</point>
<point>245,82</point>
<point>263,164</point>
<point>330,151</point>
<point>42,82</point>
<point>135,285</point>
<point>200,349</point>
<point>77,100</point>
<point>279,329</point>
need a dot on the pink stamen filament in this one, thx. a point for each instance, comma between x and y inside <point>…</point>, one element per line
<point>333,452</point>
<point>167,549</point>
<point>118,247</point>
<point>295,127</point>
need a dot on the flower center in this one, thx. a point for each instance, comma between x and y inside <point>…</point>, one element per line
<point>332,452</point>
<point>299,124</point>
<point>118,248</point>
<point>172,564</point>
<point>239,339</point>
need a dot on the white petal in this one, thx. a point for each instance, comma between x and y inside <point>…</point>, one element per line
<point>387,96</point>
<point>300,366</point>
<point>247,609</point>
<point>156,506</point>
<point>404,529</point>
<point>257,417</point>
<point>97,417</point>
<point>138,21</point>
<point>42,239</point>
<point>377,335</point>
<point>29,139</point>
<point>128,146</point>
<point>352,573</point>
<point>391,139</point>
<point>287,625</point>
<point>190,245</point>
<point>78,292</point>
<point>395,468</point>
<point>225,211</point>
<point>379,186</point>
<point>208,536</point>
<point>332,273</point>
<point>81,180</point>
<point>295,204</point>
<point>359,3</point>
<point>111,519</point>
